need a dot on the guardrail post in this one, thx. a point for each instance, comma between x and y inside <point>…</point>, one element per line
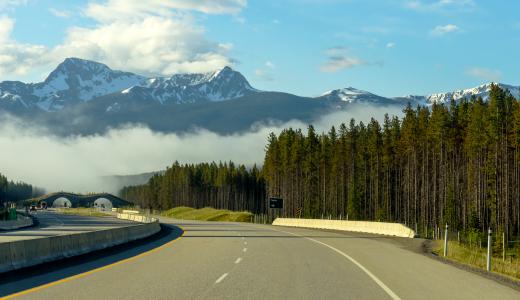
<point>488,260</point>
<point>446,241</point>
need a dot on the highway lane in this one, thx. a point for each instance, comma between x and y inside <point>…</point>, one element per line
<point>52,223</point>
<point>247,261</point>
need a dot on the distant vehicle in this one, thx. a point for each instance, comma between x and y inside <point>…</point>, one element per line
<point>32,208</point>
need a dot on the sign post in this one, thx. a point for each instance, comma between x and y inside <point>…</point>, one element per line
<point>276,204</point>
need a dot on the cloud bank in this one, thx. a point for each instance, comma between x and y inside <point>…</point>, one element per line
<point>77,163</point>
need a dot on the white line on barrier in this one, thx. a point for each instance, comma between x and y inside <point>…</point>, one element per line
<point>238,260</point>
<point>377,280</point>
<point>221,278</point>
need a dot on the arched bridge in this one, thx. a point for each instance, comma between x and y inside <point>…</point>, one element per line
<point>63,199</point>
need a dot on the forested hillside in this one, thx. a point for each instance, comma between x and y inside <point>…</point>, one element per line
<point>15,191</point>
<point>456,164</point>
<point>222,185</point>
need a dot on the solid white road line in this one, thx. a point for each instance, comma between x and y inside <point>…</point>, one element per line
<point>221,278</point>
<point>238,260</point>
<point>377,280</point>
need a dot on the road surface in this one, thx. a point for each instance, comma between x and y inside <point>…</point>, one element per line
<point>247,261</point>
<point>52,223</point>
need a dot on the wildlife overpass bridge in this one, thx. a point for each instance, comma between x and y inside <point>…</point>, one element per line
<point>62,199</point>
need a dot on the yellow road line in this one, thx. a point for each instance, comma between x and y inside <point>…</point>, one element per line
<point>44,286</point>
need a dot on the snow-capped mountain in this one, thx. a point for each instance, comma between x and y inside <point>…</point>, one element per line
<point>86,97</point>
<point>224,84</point>
<point>353,95</point>
<point>479,91</point>
<point>76,80</point>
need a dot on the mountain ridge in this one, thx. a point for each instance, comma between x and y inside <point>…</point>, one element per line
<point>77,80</point>
<point>84,97</point>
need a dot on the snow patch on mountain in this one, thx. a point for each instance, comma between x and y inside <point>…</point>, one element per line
<point>353,95</point>
<point>221,85</point>
<point>479,91</point>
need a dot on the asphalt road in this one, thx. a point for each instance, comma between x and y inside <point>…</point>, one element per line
<point>52,223</point>
<point>245,261</point>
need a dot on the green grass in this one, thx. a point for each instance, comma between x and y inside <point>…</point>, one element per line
<point>208,214</point>
<point>476,257</point>
<point>81,211</point>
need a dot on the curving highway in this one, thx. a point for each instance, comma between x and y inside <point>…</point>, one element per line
<point>211,260</point>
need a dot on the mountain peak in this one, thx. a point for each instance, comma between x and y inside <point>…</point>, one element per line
<point>81,68</point>
<point>353,95</point>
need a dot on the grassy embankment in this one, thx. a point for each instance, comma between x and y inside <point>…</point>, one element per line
<point>476,257</point>
<point>82,211</point>
<point>208,214</point>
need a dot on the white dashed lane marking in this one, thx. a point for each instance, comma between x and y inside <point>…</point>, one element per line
<point>221,278</point>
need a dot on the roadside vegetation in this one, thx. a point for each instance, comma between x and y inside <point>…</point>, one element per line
<point>475,256</point>
<point>83,211</point>
<point>208,214</point>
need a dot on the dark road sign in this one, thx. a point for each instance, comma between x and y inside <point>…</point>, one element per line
<point>275,203</point>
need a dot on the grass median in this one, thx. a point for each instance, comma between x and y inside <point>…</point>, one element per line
<point>476,257</point>
<point>208,214</point>
<point>81,211</point>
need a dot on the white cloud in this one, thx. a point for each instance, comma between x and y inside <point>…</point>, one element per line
<point>444,29</point>
<point>270,64</point>
<point>390,45</point>
<point>441,5</point>
<point>6,27</point>
<point>163,45</point>
<point>338,59</point>
<point>264,75</point>
<point>16,58</point>
<point>7,4</point>
<point>60,13</point>
<point>157,37</point>
<point>129,9</point>
<point>485,74</point>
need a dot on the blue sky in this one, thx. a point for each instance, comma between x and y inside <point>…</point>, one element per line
<point>306,47</point>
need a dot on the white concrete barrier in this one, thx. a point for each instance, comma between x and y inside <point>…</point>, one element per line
<point>126,211</point>
<point>21,222</point>
<point>25,253</point>
<point>136,218</point>
<point>393,229</point>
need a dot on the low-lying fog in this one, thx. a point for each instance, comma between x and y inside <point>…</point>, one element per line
<point>78,163</point>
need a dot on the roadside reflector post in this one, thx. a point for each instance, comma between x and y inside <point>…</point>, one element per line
<point>488,261</point>
<point>446,241</point>
<point>504,246</point>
